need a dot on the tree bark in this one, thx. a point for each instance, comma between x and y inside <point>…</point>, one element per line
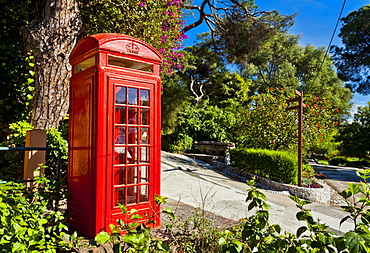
<point>51,38</point>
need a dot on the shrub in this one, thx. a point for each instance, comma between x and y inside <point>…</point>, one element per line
<point>358,164</point>
<point>27,224</point>
<point>177,143</point>
<point>279,166</point>
<point>11,162</point>
<point>338,161</point>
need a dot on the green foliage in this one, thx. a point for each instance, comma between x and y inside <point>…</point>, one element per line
<point>357,203</point>
<point>155,21</point>
<point>348,161</point>
<point>195,234</point>
<point>27,224</point>
<point>55,139</point>
<point>175,97</point>
<point>338,161</point>
<point>254,233</point>
<point>353,59</point>
<point>267,125</point>
<point>16,75</point>
<point>279,166</point>
<point>136,237</point>
<point>203,122</point>
<point>177,143</point>
<point>11,162</point>
<point>284,63</point>
<point>251,28</point>
<point>354,137</point>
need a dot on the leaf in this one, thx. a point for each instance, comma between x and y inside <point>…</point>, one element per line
<point>222,241</point>
<point>123,208</point>
<point>346,194</point>
<point>169,212</point>
<point>102,237</point>
<point>252,205</point>
<point>352,241</point>
<point>344,219</point>
<point>136,217</point>
<point>354,188</point>
<point>301,216</point>
<point>301,230</point>
<point>163,246</point>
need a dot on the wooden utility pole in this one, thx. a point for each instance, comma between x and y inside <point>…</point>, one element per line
<point>299,108</point>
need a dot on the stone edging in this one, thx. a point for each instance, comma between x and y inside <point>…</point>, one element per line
<point>325,195</point>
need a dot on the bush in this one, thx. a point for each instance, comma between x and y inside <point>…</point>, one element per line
<point>336,161</point>
<point>279,166</point>
<point>350,162</point>
<point>27,224</point>
<point>11,162</point>
<point>177,143</point>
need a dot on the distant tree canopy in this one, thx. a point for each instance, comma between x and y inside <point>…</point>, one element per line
<point>283,63</point>
<point>238,28</point>
<point>353,60</point>
<point>354,137</point>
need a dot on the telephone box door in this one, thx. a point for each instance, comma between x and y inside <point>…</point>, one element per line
<point>133,147</point>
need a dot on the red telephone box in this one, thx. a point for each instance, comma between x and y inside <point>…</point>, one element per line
<point>114,131</point>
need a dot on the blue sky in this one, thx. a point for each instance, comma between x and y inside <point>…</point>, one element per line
<point>315,23</point>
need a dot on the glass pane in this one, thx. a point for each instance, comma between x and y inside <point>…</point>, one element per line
<point>144,97</point>
<point>132,115</point>
<point>144,135</point>
<point>143,174</point>
<point>119,176</point>
<point>132,155</point>
<point>145,116</point>
<point>84,65</point>
<point>144,157</point>
<point>131,194</point>
<point>132,175</point>
<point>120,117</point>
<point>132,96</point>
<point>132,135</point>
<point>119,155</point>
<point>115,61</point>
<point>120,135</point>
<point>119,196</point>
<point>120,95</point>
<point>144,196</point>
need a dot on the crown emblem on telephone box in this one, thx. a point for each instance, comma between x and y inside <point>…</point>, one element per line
<point>132,48</point>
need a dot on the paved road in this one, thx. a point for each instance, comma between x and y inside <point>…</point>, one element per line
<point>197,185</point>
<point>338,176</point>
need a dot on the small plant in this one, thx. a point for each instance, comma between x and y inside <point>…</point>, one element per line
<point>27,222</point>
<point>195,234</point>
<point>131,236</point>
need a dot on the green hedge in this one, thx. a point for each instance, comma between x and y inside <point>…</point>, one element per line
<point>350,162</point>
<point>279,166</point>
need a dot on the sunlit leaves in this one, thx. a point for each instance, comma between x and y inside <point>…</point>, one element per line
<point>157,22</point>
<point>267,124</point>
<point>353,59</point>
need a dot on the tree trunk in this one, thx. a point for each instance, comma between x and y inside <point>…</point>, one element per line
<point>51,37</point>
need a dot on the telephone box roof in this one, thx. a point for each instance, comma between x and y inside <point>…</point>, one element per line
<point>117,43</point>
